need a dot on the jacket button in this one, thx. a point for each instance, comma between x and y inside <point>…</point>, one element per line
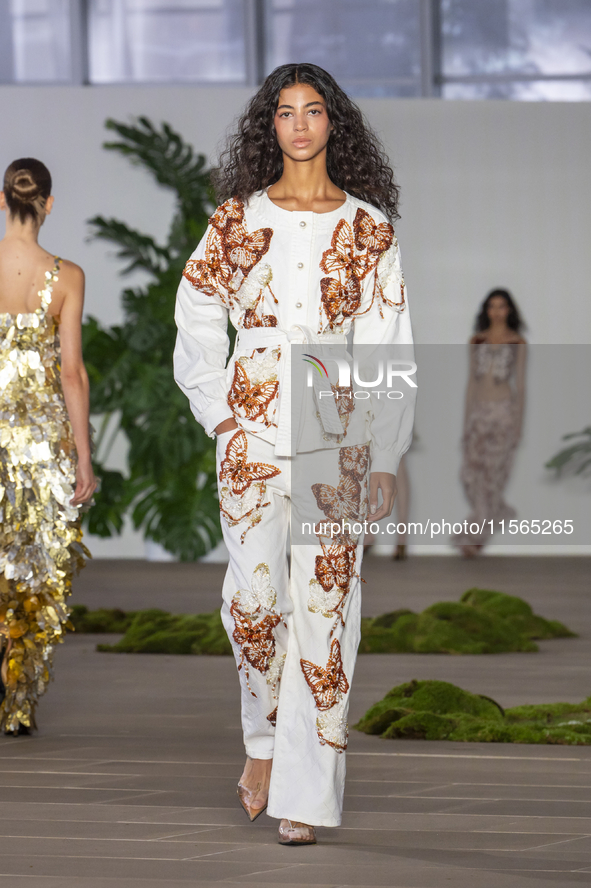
<point>300,264</point>
<point>302,224</point>
<point>298,304</point>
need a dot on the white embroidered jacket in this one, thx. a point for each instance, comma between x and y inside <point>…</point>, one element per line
<point>289,277</point>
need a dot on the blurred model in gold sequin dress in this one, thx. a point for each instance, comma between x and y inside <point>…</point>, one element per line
<point>45,470</point>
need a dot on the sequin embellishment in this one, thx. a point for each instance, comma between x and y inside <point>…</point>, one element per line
<point>353,254</point>
<point>329,686</point>
<point>254,622</point>
<point>231,268</point>
<point>254,387</point>
<point>40,537</point>
<point>242,497</point>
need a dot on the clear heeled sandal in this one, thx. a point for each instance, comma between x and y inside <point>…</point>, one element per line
<point>292,832</point>
<point>247,797</point>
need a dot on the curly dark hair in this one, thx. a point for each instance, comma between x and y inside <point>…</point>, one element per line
<point>252,159</point>
<point>514,320</point>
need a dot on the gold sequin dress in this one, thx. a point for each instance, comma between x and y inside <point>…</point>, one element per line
<point>40,535</point>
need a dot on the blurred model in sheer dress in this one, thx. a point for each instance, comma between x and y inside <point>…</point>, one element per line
<point>493,416</point>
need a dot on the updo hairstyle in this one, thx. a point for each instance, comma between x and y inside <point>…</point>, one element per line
<point>27,185</point>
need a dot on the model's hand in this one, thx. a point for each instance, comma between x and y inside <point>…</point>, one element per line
<point>228,425</point>
<point>85,483</point>
<point>386,482</point>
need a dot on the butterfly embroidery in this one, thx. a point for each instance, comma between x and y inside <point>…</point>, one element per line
<point>338,298</point>
<point>251,320</point>
<point>260,597</point>
<point>326,603</point>
<point>230,210</point>
<point>244,250</point>
<point>333,572</point>
<point>345,403</point>
<point>340,502</point>
<point>245,508</point>
<point>327,684</point>
<point>237,471</point>
<point>250,399</point>
<point>334,566</point>
<point>342,255</point>
<point>332,728</point>
<point>212,274</point>
<point>370,235</point>
<point>353,254</point>
<point>354,460</point>
<point>230,254</point>
<point>256,641</point>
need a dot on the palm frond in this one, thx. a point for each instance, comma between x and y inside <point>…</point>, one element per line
<point>141,250</point>
<point>169,487</point>
<point>170,159</point>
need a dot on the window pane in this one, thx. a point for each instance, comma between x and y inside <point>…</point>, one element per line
<point>35,42</point>
<point>372,48</point>
<point>517,36</point>
<point>529,91</point>
<point>180,41</point>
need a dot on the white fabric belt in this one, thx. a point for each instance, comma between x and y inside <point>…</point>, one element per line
<point>298,334</point>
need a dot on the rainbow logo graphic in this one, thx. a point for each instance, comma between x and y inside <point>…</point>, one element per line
<point>317,364</point>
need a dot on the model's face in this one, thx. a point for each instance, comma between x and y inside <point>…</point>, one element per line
<point>498,310</point>
<point>301,122</point>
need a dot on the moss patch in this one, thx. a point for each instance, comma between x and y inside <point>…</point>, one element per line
<point>482,622</point>
<point>102,620</point>
<point>158,632</point>
<point>437,710</point>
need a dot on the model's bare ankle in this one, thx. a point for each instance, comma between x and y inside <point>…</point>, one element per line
<point>257,774</point>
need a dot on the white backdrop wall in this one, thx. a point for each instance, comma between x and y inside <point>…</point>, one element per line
<point>493,194</point>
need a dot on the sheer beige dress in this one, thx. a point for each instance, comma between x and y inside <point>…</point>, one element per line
<point>492,429</point>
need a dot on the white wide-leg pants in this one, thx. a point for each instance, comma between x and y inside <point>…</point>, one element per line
<point>294,632</point>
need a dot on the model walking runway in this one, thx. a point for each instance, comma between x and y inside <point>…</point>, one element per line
<point>296,255</point>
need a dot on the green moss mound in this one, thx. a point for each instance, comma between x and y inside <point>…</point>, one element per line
<point>516,611</point>
<point>482,622</point>
<point>158,632</point>
<point>102,620</point>
<point>437,710</point>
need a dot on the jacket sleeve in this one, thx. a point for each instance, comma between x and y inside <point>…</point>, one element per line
<point>201,349</point>
<point>385,334</point>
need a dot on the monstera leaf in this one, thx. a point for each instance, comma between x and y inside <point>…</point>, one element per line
<point>169,486</point>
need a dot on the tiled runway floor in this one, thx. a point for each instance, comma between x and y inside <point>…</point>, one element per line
<point>131,779</point>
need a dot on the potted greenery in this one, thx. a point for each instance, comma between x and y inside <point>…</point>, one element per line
<point>575,458</point>
<point>169,488</point>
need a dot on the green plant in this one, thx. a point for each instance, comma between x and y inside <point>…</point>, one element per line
<point>485,622</point>
<point>577,457</point>
<point>482,622</point>
<point>158,632</point>
<point>437,710</point>
<point>103,620</point>
<point>169,487</point>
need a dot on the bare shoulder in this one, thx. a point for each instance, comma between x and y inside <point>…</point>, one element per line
<point>477,339</point>
<point>68,294</point>
<point>70,273</point>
